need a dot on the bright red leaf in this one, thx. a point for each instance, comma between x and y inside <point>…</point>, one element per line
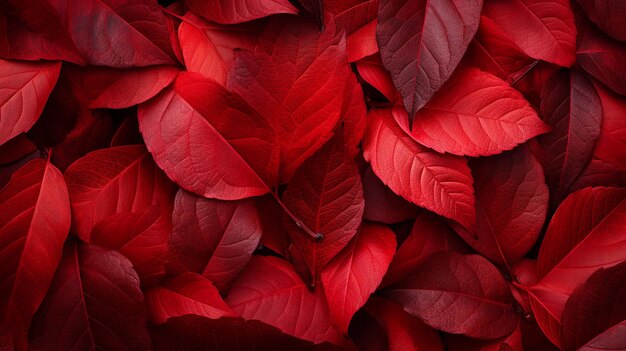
<point>354,274</point>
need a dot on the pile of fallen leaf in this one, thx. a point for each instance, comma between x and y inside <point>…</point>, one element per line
<point>402,175</point>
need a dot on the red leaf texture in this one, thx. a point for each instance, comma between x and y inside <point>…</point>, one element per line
<point>237,11</point>
<point>606,14</point>
<point>34,222</point>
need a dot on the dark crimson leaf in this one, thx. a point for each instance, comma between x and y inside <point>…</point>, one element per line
<point>326,194</point>
<point>24,90</point>
<point>355,273</point>
<point>212,237</point>
<point>34,222</point>
<point>209,140</point>
<point>440,183</point>
<point>595,306</point>
<point>94,303</point>
<point>511,205</point>
<point>459,294</point>
<point>613,339</point>
<point>382,204</point>
<point>571,105</point>
<point>421,43</point>
<point>607,15</point>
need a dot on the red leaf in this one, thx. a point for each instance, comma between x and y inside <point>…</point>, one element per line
<point>94,303</point>
<point>122,201</point>
<point>570,104</point>
<point>474,114</point>
<point>544,30</point>
<point>429,235</point>
<point>353,116</point>
<point>212,237</point>
<point>190,332</point>
<point>105,87</point>
<point>16,148</point>
<point>209,49</point>
<point>613,339</point>
<point>607,15</point>
<point>34,222</point>
<point>601,56</point>
<point>611,146</point>
<point>584,316</point>
<point>421,43</point>
<point>404,332</point>
<point>512,342</point>
<point>585,234</point>
<point>440,183</point>
<point>269,290</point>
<point>24,90</point>
<point>372,71</point>
<point>185,294</point>
<point>494,51</point>
<point>209,140</point>
<point>511,205</point>
<point>358,18</point>
<point>354,274</point>
<point>238,11</point>
<point>298,79</point>
<point>459,294</point>
<point>326,194</point>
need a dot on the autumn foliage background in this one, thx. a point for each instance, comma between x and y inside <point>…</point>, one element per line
<point>394,175</point>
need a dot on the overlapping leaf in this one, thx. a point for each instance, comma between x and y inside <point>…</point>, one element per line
<point>237,11</point>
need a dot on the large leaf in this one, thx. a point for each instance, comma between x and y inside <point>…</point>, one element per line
<point>607,15</point>
<point>209,140</point>
<point>212,237</point>
<point>584,317</point>
<point>297,78</point>
<point>24,90</point>
<point>121,200</point>
<point>611,146</point>
<point>474,114</point>
<point>353,275</point>
<point>421,43</point>
<point>601,56</point>
<point>269,290</point>
<point>186,293</point>
<point>440,183</point>
<point>511,205</point>
<point>326,194</point>
<point>94,303</point>
<point>459,294</point>
<point>545,30</point>
<point>34,222</point>
<point>586,233</point>
<point>238,11</point>
<point>571,105</point>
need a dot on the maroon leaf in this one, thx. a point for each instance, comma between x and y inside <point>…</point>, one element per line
<point>613,339</point>
<point>24,90</point>
<point>297,78</point>
<point>94,303</point>
<point>570,104</point>
<point>606,14</point>
<point>545,30</point>
<point>382,204</point>
<point>34,222</point>
<point>460,294</point>
<point>584,317</point>
<point>269,290</point>
<point>122,201</point>
<point>354,274</point>
<point>511,205</point>
<point>237,11</point>
<point>474,114</point>
<point>421,43</point>
<point>440,183</point>
<point>212,237</point>
<point>209,140</point>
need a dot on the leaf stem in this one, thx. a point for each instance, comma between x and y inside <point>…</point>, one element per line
<point>315,236</point>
